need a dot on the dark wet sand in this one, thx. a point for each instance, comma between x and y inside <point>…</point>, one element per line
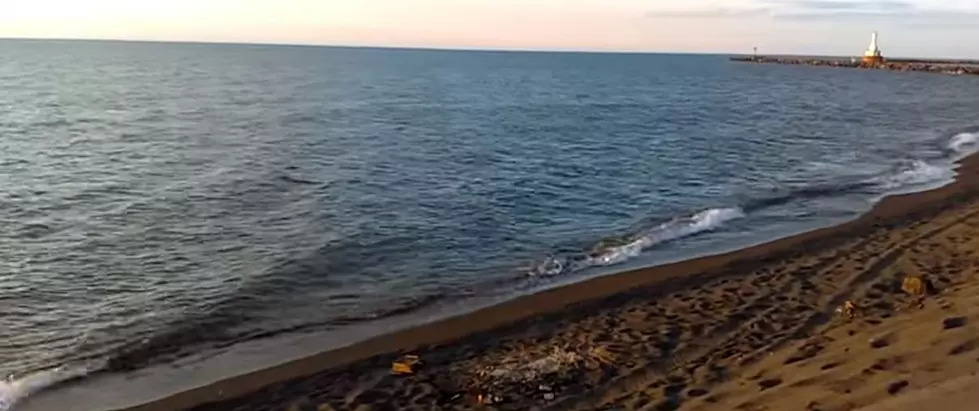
<point>753,329</point>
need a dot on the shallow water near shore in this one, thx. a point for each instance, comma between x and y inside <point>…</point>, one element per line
<point>175,210</point>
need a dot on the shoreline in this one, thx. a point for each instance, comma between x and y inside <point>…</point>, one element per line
<point>537,310</point>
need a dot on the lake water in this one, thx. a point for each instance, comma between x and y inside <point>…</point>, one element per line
<point>172,213</point>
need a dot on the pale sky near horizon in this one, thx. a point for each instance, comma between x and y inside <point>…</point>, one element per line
<point>925,28</point>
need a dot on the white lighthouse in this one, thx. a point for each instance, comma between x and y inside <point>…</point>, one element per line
<point>873,56</point>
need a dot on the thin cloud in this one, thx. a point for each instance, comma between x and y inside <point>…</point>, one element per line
<point>967,21</point>
<point>885,6</point>
<point>898,11</point>
<point>893,11</point>
<point>913,16</point>
<point>710,13</point>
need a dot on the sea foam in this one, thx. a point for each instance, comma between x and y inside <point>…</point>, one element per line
<point>919,172</point>
<point>14,390</point>
<point>675,229</point>
<point>964,143</point>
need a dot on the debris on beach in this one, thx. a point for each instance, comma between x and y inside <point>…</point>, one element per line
<point>541,375</point>
<point>406,365</point>
<point>915,285</point>
<point>849,309</point>
<point>918,287</point>
<point>519,370</point>
<point>597,357</point>
<point>489,399</point>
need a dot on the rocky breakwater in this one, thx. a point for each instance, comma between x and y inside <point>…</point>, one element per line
<point>954,67</point>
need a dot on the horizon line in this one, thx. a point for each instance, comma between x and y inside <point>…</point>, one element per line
<point>448,48</point>
<point>365,46</point>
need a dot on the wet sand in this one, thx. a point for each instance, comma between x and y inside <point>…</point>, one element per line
<point>755,329</point>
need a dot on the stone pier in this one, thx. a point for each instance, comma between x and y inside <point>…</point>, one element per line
<point>953,67</point>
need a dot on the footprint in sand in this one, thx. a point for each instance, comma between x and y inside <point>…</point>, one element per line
<point>953,322</point>
<point>882,341</point>
<point>769,383</point>
<point>964,347</point>
<point>829,366</point>
<point>896,387</point>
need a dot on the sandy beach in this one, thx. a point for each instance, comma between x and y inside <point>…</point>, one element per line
<point>756,329</point>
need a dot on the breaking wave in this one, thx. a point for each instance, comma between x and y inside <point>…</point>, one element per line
<point>614,251</point>
<point>917,173</point>
<point>964,143</point>
<point>617,250</point>
<point>682,227</point>
<point>13,390</point>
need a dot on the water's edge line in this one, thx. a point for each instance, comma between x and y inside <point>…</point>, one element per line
<point>904,207</point>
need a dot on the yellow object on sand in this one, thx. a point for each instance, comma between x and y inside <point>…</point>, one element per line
<point>406,365</point>
<point>401,368</point>
<point>914,285</point>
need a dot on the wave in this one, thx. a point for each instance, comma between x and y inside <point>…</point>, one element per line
<point>617,250</point>
<point>917,173</point>
<point>964,143</point>
<point>612,251</point>
<point>805,192</point>
<point>221,325</point>
<point>246,317</point>
<point>245,314</point>
<point>15,390</point>
<point>682,227</point>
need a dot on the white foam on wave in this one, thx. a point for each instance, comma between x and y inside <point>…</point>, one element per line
<point>678,228</point>
<point>964,143</point>
<point>14,390</point>
<point>671,230</point>
<point>918,173</point>
<point>551,266</point>
<point>915,174</point>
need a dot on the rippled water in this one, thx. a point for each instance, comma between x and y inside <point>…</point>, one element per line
<point>160,201</point>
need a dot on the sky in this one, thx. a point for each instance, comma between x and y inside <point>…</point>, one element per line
<point>908,28</point>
